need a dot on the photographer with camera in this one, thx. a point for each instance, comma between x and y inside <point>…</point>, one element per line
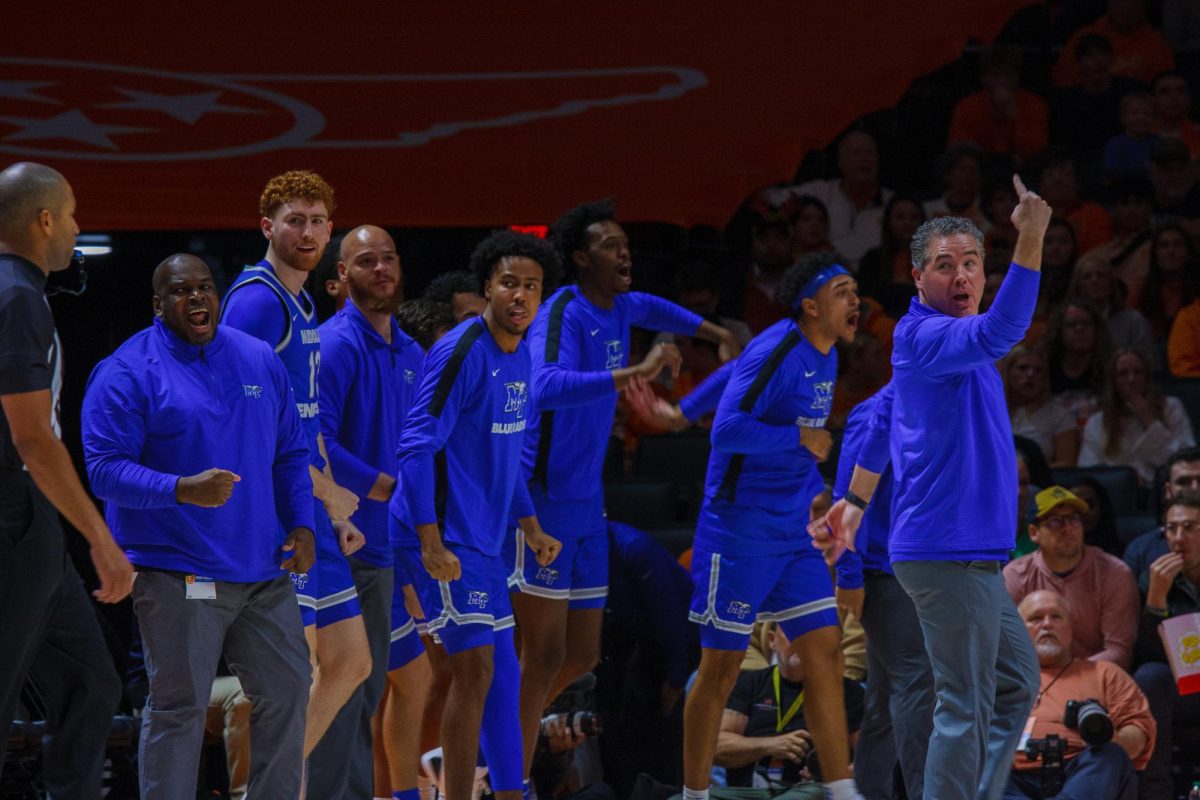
<point>1090,726</point>
<point>566,760</point>
<point>764,740</point>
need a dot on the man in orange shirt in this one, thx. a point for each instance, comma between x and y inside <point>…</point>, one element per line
<point>1140,51</point>
<point>1104,771</point>
<point>1001,117</point>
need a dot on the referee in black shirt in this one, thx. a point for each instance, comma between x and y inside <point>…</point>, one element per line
<point>48,628</point>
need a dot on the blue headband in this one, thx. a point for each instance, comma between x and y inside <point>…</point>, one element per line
<point>816,282</point>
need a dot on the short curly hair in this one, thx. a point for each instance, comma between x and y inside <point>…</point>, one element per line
<point>505,243</point>
<point>443,288</point>
<point>298,184</point>
<point>800,273</point>
<point>422,318</point>
<point>569,232</point>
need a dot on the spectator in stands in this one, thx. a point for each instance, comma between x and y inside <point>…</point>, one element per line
<point>1172,279</point>
<point>425,320</point>
<point>855,201</point>
<point>1172,104</point>
<point>1182,473</point>
<point>1183,346</point>
<point>1083,117</point>
<point>696,282</point>
<point>1058,183</point>
<point>1172,587</point>
<point>1058,262</point>
<point>1101,591</point>
<point>1078,348</point>
<point>1099,521</point>
<point>1128,153</point>
<point>1034,413</point>
<point>770,256</point>
<point>885,272</point>
<point>1176,194</point>
<point>1129,248</point>
<point>1001,118</point>
<point>1136,425</point>
<point>700,359</point>
<point>810,227</point>
<point>763,740</point>
<point>1093,281</point>
<point>998,201</point>
<point>1104,772</point>
<point>961,168</point>
<point>1139,51</point>
<point>461,290</point>
<point>864,366</point>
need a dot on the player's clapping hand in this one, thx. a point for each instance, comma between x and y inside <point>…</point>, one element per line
<point>661,356</point>
<point>350,538</point>
<point>544,546</point>
<point>209,489</point>
<point>303,551</point>
<point>1032,214</point>
<point>440,563</point>
<point>652,409</point>
<point>835,532</point>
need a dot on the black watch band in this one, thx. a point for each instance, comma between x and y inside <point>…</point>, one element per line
<point>854,500</point>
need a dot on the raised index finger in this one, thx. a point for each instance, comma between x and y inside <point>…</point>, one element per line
<point>1019,186</point>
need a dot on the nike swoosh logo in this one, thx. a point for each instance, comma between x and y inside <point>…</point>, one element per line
<point>808,374</point>
<point>495,372</point>
<point>295,317</point>
<point>595,331</point>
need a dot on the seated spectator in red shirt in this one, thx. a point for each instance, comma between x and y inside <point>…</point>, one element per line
<point>1097,772</point>
<point>885,273</point>
<point>1172,104</point>
<point>1102,592</point>
<point>1057,182</point>
<point>1139,51</point>
<point>1128,153</point>
<point>1001,117</point>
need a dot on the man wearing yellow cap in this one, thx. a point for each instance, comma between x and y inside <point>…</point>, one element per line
<point>1100,588</point>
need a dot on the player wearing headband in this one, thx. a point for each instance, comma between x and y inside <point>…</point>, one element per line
<point>751,558</point>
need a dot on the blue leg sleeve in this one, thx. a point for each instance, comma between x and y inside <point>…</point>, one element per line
<point>500,738</point>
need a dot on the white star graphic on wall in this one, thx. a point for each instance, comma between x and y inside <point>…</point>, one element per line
<point>187,108</point>
<point>24,90</point>
<point>72,125</point>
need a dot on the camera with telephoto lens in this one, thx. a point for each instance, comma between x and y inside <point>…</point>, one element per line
<point>1091,720</point>
<point>577,722</point>
<point>1052,751</point>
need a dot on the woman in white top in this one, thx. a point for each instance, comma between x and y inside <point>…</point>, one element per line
<point>1136,426</point>
<point>1034,413</point>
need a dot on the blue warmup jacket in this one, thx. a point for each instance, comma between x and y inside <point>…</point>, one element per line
<point>575,346</point>
<point>872,541</point>
<point>159,409</point>
<point>703,399</point>
<point>473,401</point>
<point>951,440</point>
<point>367,387</point>
<point>760,480</point>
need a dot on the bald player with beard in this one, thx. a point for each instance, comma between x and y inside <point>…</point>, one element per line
<point>369,375</point>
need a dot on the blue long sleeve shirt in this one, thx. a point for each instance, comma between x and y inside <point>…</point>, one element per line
<point>704,398</point>
<point>367,387</point>
<point>474,402</point>
<point>575,346</point>
<point>159,409</point>
<point>951,440</point>
<point>649,592</point>
<point>872,542</point>
<point>758,468</point>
